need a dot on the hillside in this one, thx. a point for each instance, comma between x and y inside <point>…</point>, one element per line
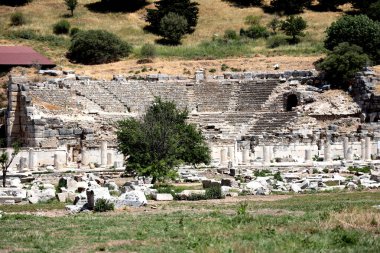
<point>214,18</point>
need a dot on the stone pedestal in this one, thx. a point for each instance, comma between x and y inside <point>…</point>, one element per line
<point>308,157</point>
<point>362,146</point>
<point>57,164</point>
<point>223,157</point>
<point>103,153</point>
<point>23,164</point>
<point>245,156</point>
<point>368,150</point>
<point>345,147</point>
<point>327,152</point>
<point>85,156</point>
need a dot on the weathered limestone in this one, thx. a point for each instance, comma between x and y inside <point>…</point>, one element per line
<point>109,159</point>
<point>103,153</point>
<point>327,152</point>
<point>345,147</point>
<point>367,148</point>
<point>266,154</point>
<point>308,157</point>
<point>231,154</point>
<point>22,165</point>
<point>350,155</point>
<point>223,156</point>
<point>245,156</point>
<point>32,159</point>
<point>85,156</point>
<point>362,143</point>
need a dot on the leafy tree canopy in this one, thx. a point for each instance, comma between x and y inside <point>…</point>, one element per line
<point>343,63</point>
<point>160,141</point>
<point>184,8</point>
<point>173,27</point>
<point>97,47</point>
<point>357,30</point>
<point>293,26</point>
<point>15,2</point>
<point>289,6</point>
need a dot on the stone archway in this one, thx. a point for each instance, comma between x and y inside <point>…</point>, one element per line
<point>291,101</point>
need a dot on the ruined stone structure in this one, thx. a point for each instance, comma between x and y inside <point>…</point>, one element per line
<point>248,118</point>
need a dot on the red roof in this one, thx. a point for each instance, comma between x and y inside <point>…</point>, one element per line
<point>22,56</point>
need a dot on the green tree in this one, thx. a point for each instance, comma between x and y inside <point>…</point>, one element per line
<point>331,5</point>
<point>6,160</point>
<point>361,4</point>
<point>173,27</point>
<point>293,26</point>
<point>373,11</point>
<point>97,47</point>
<point>15,2</point>
<point>341,64</point>
<point>71,5</point>
<point>184,8</point>
<point>358,30</point>
<point>289,6</point>
<point>160,141</point>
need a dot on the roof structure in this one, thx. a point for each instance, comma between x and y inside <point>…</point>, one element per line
<point>22,56</point>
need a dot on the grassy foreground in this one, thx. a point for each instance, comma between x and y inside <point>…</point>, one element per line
<point>334,222</point>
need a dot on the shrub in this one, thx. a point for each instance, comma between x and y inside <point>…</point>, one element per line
<point>293,26</point>
<point>61,27</point>
<point>374,11</point>
<point>365,169</point>
<point>103,205</point>
<point>276,41</point>
<point>330,5</point>
<point>214,192</point>
<point>173,27</point>
<point>274,24</point>
<point>15,2</point>
<point>185,8</point>
<point>246,3</point>
<point>230,35</point>
<point>252,20</point>
<point>277,176</point>
<point>74,31</point>
<point>242,208</point>
<point>97,47</point>
<point>255,32</point>
<point>343,63</point>
<point>18,19</point>
<point>359,30</point>
<point>148,51</point>
<point>290,6</point>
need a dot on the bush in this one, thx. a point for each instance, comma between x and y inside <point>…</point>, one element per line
<point>374,11</point>
<point>276,41</point>
<point>103,205</point>
<point>185,8</point>
<point>293,26</point>
<point>277,176</point>
<point>255,32</point>
<point>173,27</point>
<point>15,2</point>
<point>18,19</point>
<point>246,3</point>
<point>148,51</point>
<point>230,35</point>
<point>252,20</point>
<point>359,30</point>
<point>214,192</point>
<point>61,27</point>
<point>97,47</point>
<point>290,6</point>
<point>74,31</point>
<point>343,63</point>
<point>330,5</point>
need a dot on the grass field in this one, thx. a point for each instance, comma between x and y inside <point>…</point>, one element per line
<point>214,18</point>
<point>334,222</point>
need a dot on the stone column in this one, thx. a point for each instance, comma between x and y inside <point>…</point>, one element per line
<point>85,156</point>
<point>362,142</point>
<point>327,152</point>
<point>231,154</point>
<point>350,155</point>
<point>266,155</point>
<point>103,153</point>
<point>22,165</point>
<point>368,148</point>
<point>345,147</point>
<point>245,156</point>
<point>223,156</point>
<point>308,157</point>
<point>32,159</point>
<point>109,159</point>
<point>56,162</point>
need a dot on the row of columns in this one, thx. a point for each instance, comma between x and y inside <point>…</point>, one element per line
<point>228,154</point>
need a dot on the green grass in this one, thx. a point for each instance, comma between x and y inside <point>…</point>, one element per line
<point>296,224</point>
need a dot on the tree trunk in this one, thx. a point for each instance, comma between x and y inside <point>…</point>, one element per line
<point>72,12</point>
<point>154,180</point>
<point>4,175</point>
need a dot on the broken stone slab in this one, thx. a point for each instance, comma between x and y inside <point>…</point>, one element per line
<point>295,188</point>
<point>9,199</point>
<point>62,197</point>
<point>73,208</point>
<point>133,198</point>
<point>94,194</point>
<point>188,193</point>
<point>163,197</point>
